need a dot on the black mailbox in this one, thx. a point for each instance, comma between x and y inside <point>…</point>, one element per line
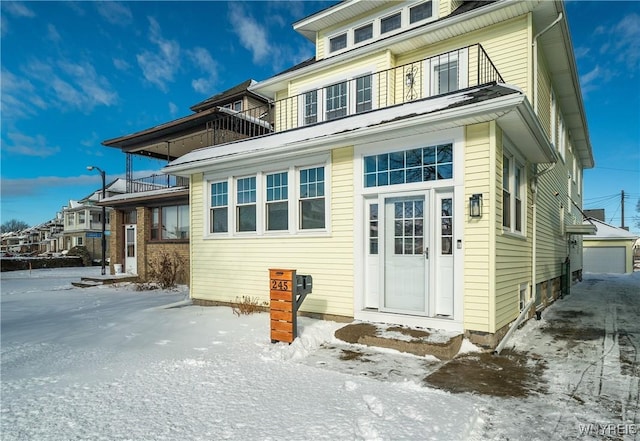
<point>304,284</point>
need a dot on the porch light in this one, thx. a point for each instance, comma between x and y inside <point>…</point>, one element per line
<point>475,205</point>
<point>409,78</point>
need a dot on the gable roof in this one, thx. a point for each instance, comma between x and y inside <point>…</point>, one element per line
<point>608,232</point>
<point>226,96</point>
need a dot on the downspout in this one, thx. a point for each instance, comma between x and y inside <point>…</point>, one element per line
<point>534,191</point>
<point>525,310</point>
<point>535,60</point>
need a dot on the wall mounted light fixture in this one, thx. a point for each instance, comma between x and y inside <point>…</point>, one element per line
<point>409,79</point>
<point>475,205</point>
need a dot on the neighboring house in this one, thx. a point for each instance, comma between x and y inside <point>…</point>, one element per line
<point>152,216</point>
<point>426,169</point>
<point>83,220</point>
<point>39,239</point>
<point>610,250</point>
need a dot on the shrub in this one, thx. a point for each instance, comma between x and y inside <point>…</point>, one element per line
<point>247,305</point>
<point>166,268</point>
<point>83,253</point>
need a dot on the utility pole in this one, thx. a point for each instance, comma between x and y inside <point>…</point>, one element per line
<point>622,205</point>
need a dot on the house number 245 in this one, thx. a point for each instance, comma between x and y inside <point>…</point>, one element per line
<point>280,285</point>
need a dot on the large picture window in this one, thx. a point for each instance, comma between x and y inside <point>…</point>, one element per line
<point>219,215</point>
<point>246,204</point>
<point>312,192</point>
<point>170,222</point>
<point>416,165</point>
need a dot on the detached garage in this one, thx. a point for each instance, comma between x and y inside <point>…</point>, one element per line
<point>610,250</point>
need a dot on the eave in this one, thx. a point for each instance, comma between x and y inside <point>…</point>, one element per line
<point>511,110</point>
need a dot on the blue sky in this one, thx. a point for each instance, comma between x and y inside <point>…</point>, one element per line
<point>77,73</point>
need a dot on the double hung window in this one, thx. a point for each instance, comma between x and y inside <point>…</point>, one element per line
<point>277,204</point>
<point>311,107</point>
<point>219,216</point>
<point>512,194</point>
<point>363,93</point>
<point>312,194</point>
<point>246,204</point>
<point>336,101</point>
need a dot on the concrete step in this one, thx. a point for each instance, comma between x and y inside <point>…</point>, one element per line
<point>418,341</point>
<point>87,282</point>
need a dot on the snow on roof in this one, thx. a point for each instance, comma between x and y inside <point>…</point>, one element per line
<point>145,194</point>
<point>340,127</point>
<point>608,232</point>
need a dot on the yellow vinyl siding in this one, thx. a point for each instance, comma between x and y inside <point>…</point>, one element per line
<point>217,274</point>
<point>543,106</point>
<point>477,249</point>
<point>506,45</point>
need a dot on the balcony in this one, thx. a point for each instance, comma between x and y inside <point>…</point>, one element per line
<point>156,182</point>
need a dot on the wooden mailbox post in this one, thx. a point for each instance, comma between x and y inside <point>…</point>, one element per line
<point>286,293</point>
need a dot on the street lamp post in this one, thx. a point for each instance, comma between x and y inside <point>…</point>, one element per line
<point>104,211</point>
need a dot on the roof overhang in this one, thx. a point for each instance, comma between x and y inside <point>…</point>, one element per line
<point>144,197</point>
<point>510,109</point>
<point>586,229</point>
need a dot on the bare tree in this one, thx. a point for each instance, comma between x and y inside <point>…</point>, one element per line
<point>13,225</point>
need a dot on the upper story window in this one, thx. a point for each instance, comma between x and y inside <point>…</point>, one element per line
<point>391,23</point>
<point>447,73</point>
<point>363,94</point>
<point>81,218</point>
<point>236,105</point>
<point>420,12</point>
<point>311,107</point>
<point>401,16</point>
<point>338,42</point>
<point>405,167</point>
<point>336,101</point>
<point>363,33</point>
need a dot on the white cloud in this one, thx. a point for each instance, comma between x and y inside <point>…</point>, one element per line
<point>252,35</point>
<point>627,38</point>
<point>18,9</point>
<point>53,34</point>
<point>18,93</point>
<point>121,64</point>
<point>173,109</point>
<point>159,67</point>
<point>114,12</point>
<point>26,145</point>
<point>203,61</point>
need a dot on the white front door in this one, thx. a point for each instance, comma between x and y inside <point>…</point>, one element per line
<point>405,255</point>
<point>130,250</point>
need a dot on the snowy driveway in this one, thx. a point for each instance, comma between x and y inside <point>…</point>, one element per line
<point>111,363</point>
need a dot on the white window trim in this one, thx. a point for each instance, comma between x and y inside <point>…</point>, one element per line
<point>376,20</point>
<point>516,161</point>
<point>429,80</point>
<point>366,41</point>
<point>320,89</point>
<point>333,37</point>
<point>292,167</point>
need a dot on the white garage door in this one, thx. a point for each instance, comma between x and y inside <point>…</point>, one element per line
<point>604,260</point>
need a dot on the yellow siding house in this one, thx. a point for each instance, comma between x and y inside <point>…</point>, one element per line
<point>425,167</point>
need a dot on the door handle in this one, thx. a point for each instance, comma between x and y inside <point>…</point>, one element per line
<point>426,253</point>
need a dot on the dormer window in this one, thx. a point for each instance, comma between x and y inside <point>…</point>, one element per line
<point>338,42</point>
<point>420,12</point>
<point>363,33</point>
<point>391,23</point>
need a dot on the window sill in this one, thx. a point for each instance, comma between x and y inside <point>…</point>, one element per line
<point>514,234</point>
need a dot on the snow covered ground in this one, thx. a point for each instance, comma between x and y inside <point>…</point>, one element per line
<point>113,363</point>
